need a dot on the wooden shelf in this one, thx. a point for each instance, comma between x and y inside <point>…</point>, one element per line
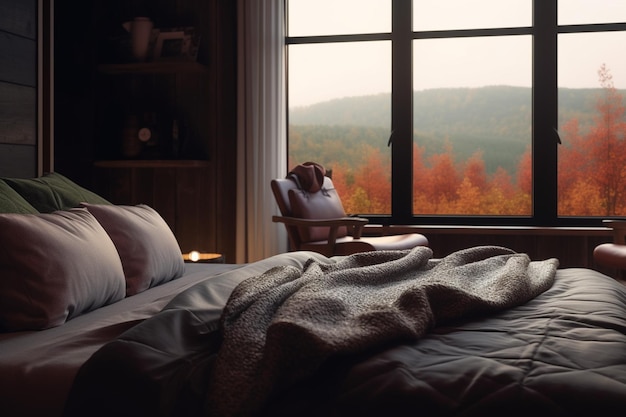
<point>155,67</point>
<point>152,163</point>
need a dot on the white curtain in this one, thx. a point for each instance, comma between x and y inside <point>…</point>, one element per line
<point>262,143</point>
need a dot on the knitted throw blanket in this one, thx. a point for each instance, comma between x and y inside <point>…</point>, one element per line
<point>279,327</point>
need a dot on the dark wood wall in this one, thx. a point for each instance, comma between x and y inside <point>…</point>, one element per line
<point>18,88</point>
<point>572,246</point>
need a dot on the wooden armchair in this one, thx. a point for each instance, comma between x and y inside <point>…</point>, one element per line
<point>613,255</point>
<point>316,221</point>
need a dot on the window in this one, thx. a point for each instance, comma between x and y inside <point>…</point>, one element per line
<point>473,99</point>
<point>326,80</point>
<point>472,125</point>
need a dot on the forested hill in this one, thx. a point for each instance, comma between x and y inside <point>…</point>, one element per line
<point>471,106</point>
<point>495,120</point>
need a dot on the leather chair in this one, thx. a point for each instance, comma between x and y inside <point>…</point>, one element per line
<point>316,221</point>
<point>613,255</point>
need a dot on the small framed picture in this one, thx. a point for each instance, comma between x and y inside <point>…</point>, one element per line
<point>177,44</point>
<point>169,45</point>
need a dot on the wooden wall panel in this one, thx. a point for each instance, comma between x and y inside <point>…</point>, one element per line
<point>162,188</point>
<point>19,60</point>
<point>196,221</point>
<point>19,17</point>
<point>18,115</point>
<point>572,247</point>
<point>17,161</point>
<point>18,93</point>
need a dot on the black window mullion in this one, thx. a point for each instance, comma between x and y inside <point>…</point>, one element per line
<point>402,112</point>
<point>545,112</point>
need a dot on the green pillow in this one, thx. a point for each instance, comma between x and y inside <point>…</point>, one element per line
<point>53,192</point>
<point>12,202</point>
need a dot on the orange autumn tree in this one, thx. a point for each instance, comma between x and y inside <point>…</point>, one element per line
<point>471,191</point>
<point>592,166</point>
<point>441,182</point>
<point>441,186</point>
<point>375,179</point>
<point>606,141</point>
<point>365,188</point>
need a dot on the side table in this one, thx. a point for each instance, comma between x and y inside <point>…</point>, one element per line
<point>203,257</point>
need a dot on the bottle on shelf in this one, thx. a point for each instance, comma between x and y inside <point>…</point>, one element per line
<point>131,145</point>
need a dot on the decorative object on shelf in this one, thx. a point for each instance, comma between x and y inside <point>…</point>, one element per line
<point>145,134</point>
<point>178,133</point>
<point>140,29</point>
<point>131,145</point>
<point>153,135</point>
<point>150,136</point>
<point>169,45</point>
<point>177,44</point>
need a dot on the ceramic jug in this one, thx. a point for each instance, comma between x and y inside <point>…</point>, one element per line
<point>140,29</point>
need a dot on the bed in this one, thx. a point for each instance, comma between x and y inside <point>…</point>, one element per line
<point>482,331</point>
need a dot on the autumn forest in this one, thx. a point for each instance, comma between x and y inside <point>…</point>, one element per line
<point>472,150</point>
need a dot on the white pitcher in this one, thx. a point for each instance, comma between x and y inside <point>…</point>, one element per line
<point>140,29</point>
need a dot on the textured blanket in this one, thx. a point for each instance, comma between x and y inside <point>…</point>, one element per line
<point>280,327</point>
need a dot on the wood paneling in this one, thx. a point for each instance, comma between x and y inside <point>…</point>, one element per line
<point>18,114</point>
<point>17,161</point>
<point>18,93</point>
<point>19,60</point>
<point>19,17</point>
<point>573,247</point>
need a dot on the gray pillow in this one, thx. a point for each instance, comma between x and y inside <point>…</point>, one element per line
<point>149,251</point>
<point>55,266</point>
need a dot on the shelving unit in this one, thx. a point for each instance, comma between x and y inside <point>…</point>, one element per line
<point>193,190</point>
<point>154,95</point>
<point>179,181</point>
<point>152,163</point>
<point>158,67</point>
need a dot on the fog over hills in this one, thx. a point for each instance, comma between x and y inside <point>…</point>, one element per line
<point>495,120</point>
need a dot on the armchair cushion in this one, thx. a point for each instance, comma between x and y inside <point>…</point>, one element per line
<point>322,205</point>
<point>610,255</point>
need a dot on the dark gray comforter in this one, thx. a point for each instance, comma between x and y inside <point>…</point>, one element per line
<point>563,352</point>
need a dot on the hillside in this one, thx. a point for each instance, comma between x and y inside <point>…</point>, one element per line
<point>495,120</point>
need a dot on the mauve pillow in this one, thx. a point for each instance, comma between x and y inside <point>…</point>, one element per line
<point>149,251</point>
<point>54,267</point>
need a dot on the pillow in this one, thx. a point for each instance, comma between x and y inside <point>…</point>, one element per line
<point>149,251</point>
<point>53,192</point>
<point>324,204</point>
<point>12,202</point>
<point>54,267</point>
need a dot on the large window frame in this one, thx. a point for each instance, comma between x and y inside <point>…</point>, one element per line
<point>545,140</point>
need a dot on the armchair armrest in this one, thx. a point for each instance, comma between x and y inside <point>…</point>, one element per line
<point>355,224</point>
<point>619,230</point>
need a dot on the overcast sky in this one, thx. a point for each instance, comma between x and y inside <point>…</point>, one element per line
<point>323,72</point>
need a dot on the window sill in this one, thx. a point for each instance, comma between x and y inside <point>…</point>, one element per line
<point>489,230</point>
